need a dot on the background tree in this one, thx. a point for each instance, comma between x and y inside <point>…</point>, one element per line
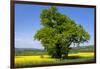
<point>59,32</point>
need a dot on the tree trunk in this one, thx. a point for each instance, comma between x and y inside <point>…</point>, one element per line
<point>67,54</point>
<point>58,51</point>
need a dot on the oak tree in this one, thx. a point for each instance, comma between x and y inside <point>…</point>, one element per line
<point>59,32</point>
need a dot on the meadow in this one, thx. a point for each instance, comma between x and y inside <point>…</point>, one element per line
<point>38,57</point>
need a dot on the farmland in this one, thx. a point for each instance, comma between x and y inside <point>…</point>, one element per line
<point>34,57</point>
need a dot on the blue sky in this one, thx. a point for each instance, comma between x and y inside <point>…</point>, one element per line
<point>27,22</point>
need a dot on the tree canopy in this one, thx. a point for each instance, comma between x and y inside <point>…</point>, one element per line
<point>59,32</point>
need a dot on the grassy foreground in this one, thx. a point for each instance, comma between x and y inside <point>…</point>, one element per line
<point>46,59</point>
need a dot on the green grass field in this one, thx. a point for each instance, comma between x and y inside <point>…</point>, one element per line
<point>38,57</point>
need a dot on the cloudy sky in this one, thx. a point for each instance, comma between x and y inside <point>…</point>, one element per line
<point>27,22</point>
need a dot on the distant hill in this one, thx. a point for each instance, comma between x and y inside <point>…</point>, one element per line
<point>34,51</point>
<point>27,49</point>
<point>89,48</point>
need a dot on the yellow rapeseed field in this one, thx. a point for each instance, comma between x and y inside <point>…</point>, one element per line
<point>24,59</point>
<point>86,54</point>
<point>19,60</point>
